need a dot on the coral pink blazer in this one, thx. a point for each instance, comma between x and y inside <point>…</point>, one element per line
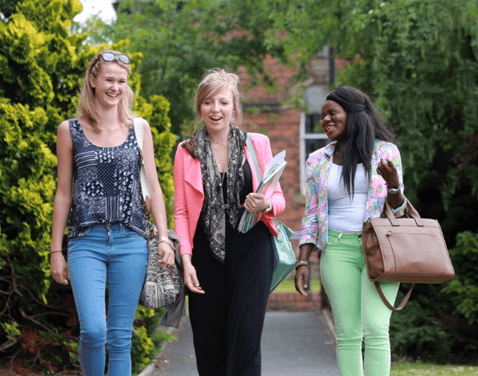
<point>189,194</point>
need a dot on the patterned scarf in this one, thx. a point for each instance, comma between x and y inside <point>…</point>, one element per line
<point>214,211</point>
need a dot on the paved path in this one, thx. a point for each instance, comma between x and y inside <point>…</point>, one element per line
<point>293,344</point>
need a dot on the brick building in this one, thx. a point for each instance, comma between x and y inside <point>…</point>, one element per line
<point>289,128</point>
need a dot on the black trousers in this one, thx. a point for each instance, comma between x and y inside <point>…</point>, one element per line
<point>227,320</point>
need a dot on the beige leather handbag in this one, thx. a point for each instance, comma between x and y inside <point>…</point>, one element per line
<point>408,249</point>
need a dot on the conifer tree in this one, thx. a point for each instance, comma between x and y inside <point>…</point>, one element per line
<point>42,64</point>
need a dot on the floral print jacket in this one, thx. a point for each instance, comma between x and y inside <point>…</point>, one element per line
<point>315,222</point>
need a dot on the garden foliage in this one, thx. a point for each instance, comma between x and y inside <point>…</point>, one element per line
<point>439,324</point>
<point>416,333</point>
<point>42,64</point>
<point>421,68</point>
<point>418,60</point>
<point>463,289</point>
<point>180,40</point>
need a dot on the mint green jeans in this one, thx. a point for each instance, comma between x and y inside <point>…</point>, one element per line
<point>359,312</point>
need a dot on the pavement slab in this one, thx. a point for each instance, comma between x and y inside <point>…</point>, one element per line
<point>293,344</point>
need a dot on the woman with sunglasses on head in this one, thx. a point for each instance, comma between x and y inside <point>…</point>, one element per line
<point>99,191</point>
<point>348,182</point>
<point>228,273</point>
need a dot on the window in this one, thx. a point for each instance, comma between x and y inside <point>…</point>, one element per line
<point>312,137</point>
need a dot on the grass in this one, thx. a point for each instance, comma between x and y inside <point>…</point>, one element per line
<point>422,369</point>
<point>288,285</point>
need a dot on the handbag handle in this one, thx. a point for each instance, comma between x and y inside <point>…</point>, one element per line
<point>411,212</point>
<point>145,191</point>
<point>387,303</point>
<point>143,177</point>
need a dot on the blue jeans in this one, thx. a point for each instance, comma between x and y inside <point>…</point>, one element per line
<point>114,256</point>
<point>359,312</point>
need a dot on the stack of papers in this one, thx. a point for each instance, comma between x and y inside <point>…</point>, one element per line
<point>269,180</point>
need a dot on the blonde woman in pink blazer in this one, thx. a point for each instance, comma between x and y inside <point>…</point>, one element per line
<point>228,273</point>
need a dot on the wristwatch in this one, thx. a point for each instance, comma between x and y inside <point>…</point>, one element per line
<point>393,190</point>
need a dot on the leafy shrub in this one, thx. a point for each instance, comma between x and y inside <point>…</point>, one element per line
<point>415,332</point>
<point>462,296</point>
<point>463,289</point>
<point>148,338</point>
<point>42,66</point>
<point>142,348</point>
<point>440,323</point>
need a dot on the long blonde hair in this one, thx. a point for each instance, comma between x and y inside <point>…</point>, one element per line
<point>215,81</point>
<point>87,105</point>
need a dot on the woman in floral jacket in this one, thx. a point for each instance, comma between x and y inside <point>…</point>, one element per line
<point>348,182</point>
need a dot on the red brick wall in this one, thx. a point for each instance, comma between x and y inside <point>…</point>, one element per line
<point>260,95</point>
<point>281,125</point>
<point>284,135</point>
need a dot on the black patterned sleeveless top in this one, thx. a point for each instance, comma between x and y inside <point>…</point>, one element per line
<point>106,185</point>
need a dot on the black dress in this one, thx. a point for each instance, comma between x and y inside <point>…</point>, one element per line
<point>227,320</point>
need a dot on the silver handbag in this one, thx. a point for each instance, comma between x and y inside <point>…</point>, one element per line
<point>163,284</point>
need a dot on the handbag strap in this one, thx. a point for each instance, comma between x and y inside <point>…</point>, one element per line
<point>254,158</point>
<point>403,302</point>
<point>410,212</point>
<point>145,191</point>
<point>258,172</point>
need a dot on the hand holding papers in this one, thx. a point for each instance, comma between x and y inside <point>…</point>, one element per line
<point>269,180</point>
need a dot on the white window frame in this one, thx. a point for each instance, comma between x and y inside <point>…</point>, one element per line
<point>303,137</point>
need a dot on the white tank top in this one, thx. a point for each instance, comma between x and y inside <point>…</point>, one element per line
<point>346,214</point>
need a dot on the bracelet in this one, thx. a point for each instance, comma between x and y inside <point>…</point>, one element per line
<point>302,263</point>
<point>166,240</point>
<point>267,210</point>
<point>55,251</point>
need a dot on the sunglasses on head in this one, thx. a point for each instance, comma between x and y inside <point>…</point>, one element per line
<point>110,56</point>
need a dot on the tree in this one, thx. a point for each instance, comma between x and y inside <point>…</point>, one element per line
<point>7,7</point>
<point>418,62</point>
<point>41,67</point>
<point>180,40</point>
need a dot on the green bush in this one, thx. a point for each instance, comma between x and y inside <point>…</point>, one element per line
<point>415,332</point>
<point>463,289</point>
<point>42,65</point>
<point>440,323</point>
<point>148,339</point>
<point>461,294</point>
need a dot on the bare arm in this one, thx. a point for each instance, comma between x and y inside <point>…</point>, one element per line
<point>302,272</point>
<point>62,204</point>
<point>190,275</point>
<point>158,208</point>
